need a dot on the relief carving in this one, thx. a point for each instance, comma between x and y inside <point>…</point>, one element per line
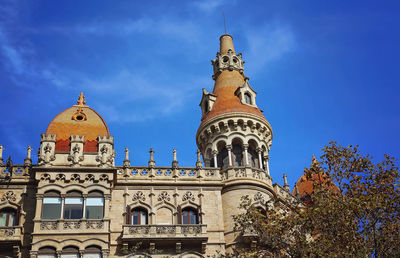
<point>188,196</point>
<point>164,196</point>
<point>139,196</point>
<point>9,196</point>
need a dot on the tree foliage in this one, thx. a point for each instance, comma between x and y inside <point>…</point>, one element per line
<point>354,211</point>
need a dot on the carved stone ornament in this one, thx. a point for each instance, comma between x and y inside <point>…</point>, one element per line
<point>94,224</point>
<point>7,231</point>
<point>45,177</point>
<point>9,196</point>
<point>89,177</point>
<point>164,196</point>
<point>103,177</point>
<point>139,196</point>
<point>72,225</point>
<point>75,177</point>
<point>191,230</point>
<point>166,229</point>
<point>188,196</point>
<point>104,159</point>
<point>75,158</point>
<point>47,157</point>
<point>60,177</point>
<point>49,225</point>
<point>133,230</point>
<point>258,197</point>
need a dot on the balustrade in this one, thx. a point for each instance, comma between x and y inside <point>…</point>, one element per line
<point>164,231</point>
<point>71,226</point>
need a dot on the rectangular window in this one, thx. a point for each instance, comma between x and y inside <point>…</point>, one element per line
<point>51,208</point>
<point>46,256</point>
<point>70,256</point>
<point>94,208</point>
<point>73,208</point>
<point>92,256</point>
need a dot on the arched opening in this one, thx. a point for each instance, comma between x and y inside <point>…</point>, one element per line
<point>73,208</point>
<point>237,152</point>
<point>190,216</point>
<point>92,251</point>
<point>247,98</point>
<point>209,159</point>
<point>8,217</point>
<point>95,205</point>
<point>139,216</point>
<point>70,252</point>
<point>253,155</point>
<point>51,208</point>
<point>47,252</point>
<point>222,156</point>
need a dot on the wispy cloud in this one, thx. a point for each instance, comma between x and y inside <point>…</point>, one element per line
<point>268,43</point>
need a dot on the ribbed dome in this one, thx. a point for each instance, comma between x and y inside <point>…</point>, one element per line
<point>81,120</point>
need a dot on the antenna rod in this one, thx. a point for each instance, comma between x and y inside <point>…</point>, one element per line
<point>223,14</point>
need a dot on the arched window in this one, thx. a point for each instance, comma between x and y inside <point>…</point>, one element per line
<point>92,251</point>
<point>51,208</point>
<point>247,98</point>
<point>70,252</point>
<point>237,155</point>
<point>47,252</point>
<point>73,208</point>
<point>95,205</point>
<point>189,216</point>
<point>139,216</point>
<point>253,155</point>
<point>7,217</point>
<point>222,156</point>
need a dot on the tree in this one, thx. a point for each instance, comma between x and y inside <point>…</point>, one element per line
<point>353,211</point>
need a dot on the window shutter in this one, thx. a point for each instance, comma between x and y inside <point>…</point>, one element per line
<point>179,214</point>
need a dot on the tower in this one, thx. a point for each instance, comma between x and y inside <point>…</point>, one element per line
<point>234,136</point>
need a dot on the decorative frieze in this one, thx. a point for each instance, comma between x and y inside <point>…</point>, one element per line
<point>191,230</point>
<point>139,196</point>
<point>164,196</point>
<point>9,196</point>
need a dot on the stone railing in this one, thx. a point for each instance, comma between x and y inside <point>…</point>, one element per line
<point>168,173</point>
<point>244,172</point>
<point>164,231</point>
<point>10,233</point>
<point>71,226</point>
<point>17,171</point>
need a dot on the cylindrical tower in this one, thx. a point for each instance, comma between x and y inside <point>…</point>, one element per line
<point>234,136</point>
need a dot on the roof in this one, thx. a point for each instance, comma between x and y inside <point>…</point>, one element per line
<point>80,120</point>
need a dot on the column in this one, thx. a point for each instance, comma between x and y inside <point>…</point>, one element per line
<point>267,164</point>
<point>84,206</point>
<point>62,206</point>
<point>246,155</point>
<point>215,158</point>
<point>39,206</point>
<point>259,158</point>
<point>229,148</point>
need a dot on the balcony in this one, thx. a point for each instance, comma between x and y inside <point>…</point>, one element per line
<point>10,234</point>
<point>81,226</point>
<point>166,232</point>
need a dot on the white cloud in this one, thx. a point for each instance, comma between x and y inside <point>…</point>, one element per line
<point>268,44</point>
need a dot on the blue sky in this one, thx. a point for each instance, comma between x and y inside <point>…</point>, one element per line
<point>323,70</point>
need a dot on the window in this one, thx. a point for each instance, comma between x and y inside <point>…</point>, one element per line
<point>7,218</point>
<point>51,208</point>
<point>139,216</point>
<point>47,252</point>
<point>92,252</point>
<point>73,208</point>
<point>95,205</point>
<point>70,252</point>
<point>189,216</point>
<point>247,98</point>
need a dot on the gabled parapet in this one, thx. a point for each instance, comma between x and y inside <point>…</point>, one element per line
<point>246,94</point>
<point>207,102</point>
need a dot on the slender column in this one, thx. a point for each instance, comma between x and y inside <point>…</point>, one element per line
<point>39,206</point>
<point>84,206</point>
<point>259,158</point>
<point>267,164</point>
<point>215,158</point>
<point>1,154</point>
<point>107,199</point>
<point>229,148</point>
<point>246,155</point>
<point>62,206</point>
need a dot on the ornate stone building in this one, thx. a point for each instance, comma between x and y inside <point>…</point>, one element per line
<point>76,202</point>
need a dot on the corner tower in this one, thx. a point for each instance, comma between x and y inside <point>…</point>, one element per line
<point>233,130</point>
<point>234,137</point>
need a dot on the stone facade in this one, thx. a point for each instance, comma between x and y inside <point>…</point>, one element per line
<point>76,202</point>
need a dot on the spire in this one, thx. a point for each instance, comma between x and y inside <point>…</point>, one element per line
<point>226,43</point>
<point>81,100</point>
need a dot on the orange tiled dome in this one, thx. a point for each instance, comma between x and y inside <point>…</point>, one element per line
<point>79,119</point>
<point>305,186</point>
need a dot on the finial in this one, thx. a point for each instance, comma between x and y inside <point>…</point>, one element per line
<point>28,159</point>
<point>127,162</point>
<point>174,160</point>
<point>285,183</point>
<point>199,164</point>
<point>1,154</point>
<point>81,100</point>
<point>152,163</point>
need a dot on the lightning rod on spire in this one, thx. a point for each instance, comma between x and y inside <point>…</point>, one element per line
<point>223,14</point>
